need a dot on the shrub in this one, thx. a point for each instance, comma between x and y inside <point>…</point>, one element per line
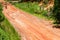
<point>56,11</point>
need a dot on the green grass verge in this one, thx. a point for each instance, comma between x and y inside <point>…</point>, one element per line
<point>3,35</point>
<point>7,31</point>
<point>33,9</point>
<point>8,28</point>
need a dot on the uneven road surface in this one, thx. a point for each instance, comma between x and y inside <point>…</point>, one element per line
<point>29,26</point>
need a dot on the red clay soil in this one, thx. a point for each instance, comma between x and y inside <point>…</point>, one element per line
<point>29,26</point>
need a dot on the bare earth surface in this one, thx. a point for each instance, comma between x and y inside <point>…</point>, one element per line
<point>29,26</point>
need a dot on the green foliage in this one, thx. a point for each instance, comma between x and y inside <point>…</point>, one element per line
<point>8,28</point>
<point>1,16</point>
<point>56,11</point>
<point>7,32</point>
<point>28,6</point>
<point>3,35</point>
<point>33,8</point>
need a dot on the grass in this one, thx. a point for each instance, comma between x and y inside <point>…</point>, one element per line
<point>7,31</point>
<point>8,28</point>
<point>33,9</point>
<point>27,6</point>
<point>3,35</point>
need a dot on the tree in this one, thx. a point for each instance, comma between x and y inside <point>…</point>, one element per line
<point>30,0</point>
<point>56,11</point>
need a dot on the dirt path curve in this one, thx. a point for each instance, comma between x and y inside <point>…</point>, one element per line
<point>29,26</point>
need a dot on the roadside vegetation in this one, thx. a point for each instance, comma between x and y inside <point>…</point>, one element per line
<point>7,32</point>
<point>56,13</point>
<point>34,9</point>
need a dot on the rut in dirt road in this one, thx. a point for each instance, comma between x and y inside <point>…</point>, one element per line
<point>29,26</point>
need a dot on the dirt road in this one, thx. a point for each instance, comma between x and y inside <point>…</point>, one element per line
<point>29,26</point>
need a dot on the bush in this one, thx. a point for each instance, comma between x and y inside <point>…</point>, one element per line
<point>56,12</point>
